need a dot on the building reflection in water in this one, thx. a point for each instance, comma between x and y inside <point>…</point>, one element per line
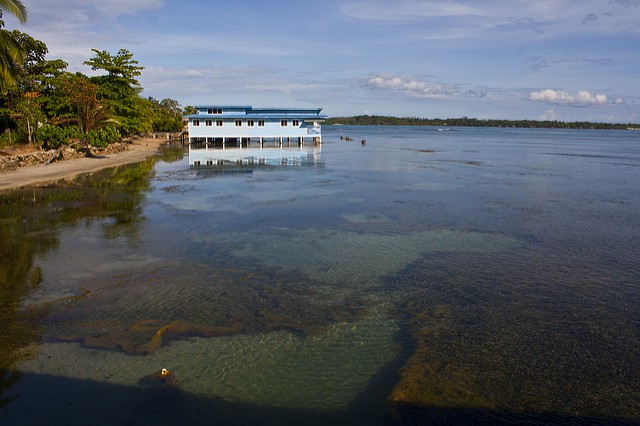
<point>246,157</point>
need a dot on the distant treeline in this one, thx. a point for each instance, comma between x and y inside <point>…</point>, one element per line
<point>377,120</point>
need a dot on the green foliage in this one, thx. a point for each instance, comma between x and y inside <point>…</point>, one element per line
<point>135,116</point>
<point>188,110</point>
<point>21,101</point>
<point>121,66</point>
<point>11,52</point>
<point>31,68</point>
<point>78,97</point>
<point>27,114</point>
<point>167,115</point>
<point>39,94</point>
<point>102,137</point>
<point>119,89</point>
<point>16,8</point>
<point>376,120</point>
<point>53,137</point>
<point>11,58</point>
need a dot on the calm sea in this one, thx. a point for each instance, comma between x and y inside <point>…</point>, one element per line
<point>431,275</point>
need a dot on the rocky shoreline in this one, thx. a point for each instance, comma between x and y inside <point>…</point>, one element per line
<point>24,166</point>
<point>11,161</point>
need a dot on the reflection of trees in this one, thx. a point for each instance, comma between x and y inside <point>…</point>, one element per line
<point>117,194</point>
<point>29,224</point>
<point>21,239</point>
<point>172,153</point>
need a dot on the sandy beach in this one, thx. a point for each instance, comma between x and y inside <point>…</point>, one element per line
<point>138,151</point>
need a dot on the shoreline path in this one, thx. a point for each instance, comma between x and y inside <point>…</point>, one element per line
<point>138,151</point>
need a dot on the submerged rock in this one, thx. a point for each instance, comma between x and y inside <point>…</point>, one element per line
<point>161,379</point>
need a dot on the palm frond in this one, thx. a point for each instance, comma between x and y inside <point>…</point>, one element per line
<point>16,8</point>
<point>11,58</point>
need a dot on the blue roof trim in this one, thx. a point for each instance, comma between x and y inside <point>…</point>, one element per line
<point>223,107</point>
<point>284,111</point>
<point>255,116</point>
<point>243,112</point>
<point>251,110</point>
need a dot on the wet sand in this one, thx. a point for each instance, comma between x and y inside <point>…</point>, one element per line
<point>138,151</point>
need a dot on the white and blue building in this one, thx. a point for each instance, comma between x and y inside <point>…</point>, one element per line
<point>219,125</point>
<point>223,133</point>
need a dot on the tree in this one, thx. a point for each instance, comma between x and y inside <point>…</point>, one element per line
<point>119,89</point>
<point>167,115</point>
<point>188,110</point>
<point>23,99</point>
<point>24,93</point>
<point>27,114</point>
<point>81,96</point>
<point>11,55</point>
<point>121,66</point>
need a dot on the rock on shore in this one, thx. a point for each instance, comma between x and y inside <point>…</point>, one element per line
<point>10,161</point>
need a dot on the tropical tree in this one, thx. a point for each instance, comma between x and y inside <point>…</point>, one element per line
<point>11,55</point>
<point>167,115</point>
<point>81,97</point>
<point>119,89</point>
<point>21,102</point>
<point>23,96</point>
<point>188,110</point>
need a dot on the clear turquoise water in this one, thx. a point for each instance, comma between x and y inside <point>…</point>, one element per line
<point>497,269</point>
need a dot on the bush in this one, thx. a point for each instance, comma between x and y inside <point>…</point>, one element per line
<point>102,137</point>
<point>54,137</point>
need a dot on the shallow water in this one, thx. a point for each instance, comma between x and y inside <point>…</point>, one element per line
<point>470,275</point>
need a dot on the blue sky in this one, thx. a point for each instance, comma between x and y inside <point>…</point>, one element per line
<point>514,59</point>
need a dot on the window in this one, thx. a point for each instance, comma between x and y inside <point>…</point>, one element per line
<point>250,123</point>
<point>214,111</point>
<point>283,123</point>
<point>208,123</point>
<point>219,123</point>
<point>196,123</point>
<point>238,123</point>
<point>296,123</point>
<point>260,123</point>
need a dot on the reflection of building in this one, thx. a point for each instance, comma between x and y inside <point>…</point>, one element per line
<point>240,125</point>
<point>248,157</point>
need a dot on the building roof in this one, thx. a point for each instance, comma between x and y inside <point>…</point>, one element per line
<point>256,113</point>
<point>223,106</point>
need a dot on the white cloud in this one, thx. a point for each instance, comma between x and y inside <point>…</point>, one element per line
<point>120,7</point>
<point>72,27</point>
<point>237,85</point>
<point>471,18</point>
<point>407,10</point>
<point>394,82</point>
<point>565,98</point>
<point>94,8</point>
<point>549,115</point>
<point>496,9</point>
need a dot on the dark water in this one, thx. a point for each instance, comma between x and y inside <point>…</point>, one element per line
<point>427,276</point>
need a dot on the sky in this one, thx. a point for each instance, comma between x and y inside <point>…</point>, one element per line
<point>567,60</point>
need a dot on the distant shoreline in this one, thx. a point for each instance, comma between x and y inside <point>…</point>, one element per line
<point>379,120</point>
<point>41,174</point>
